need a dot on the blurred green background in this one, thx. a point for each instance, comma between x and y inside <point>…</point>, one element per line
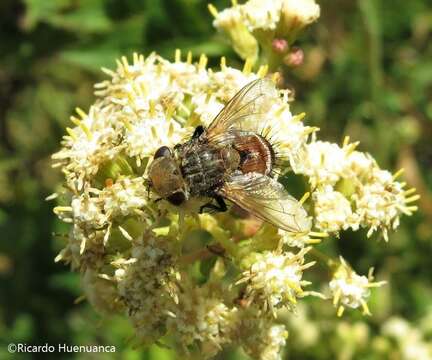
<point>367,74</point>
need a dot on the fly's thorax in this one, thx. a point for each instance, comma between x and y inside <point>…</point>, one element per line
<point>256,154</point>
<point>202,168</point>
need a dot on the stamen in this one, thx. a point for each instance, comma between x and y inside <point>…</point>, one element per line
<point>365,308</point>
<point>135,58</point>
<point>213,10</point>
<point>51,197</point>
<point>352,147</point>
<point>127,124</point>
<point>125,63</point>
<point>299,117</point>
<point>152,108</point>
<point>59,209</point>
<point>337,297</point>
<point>346,141</point>
<point>304,198</point>
<point>189,57</point>
<point>71,133</point>
<point>412,199</point>
<point>247,68</point>
<point>223,63</point>
<point>108,71</point>
<point>202,62</point>
<point>308,265</point>
<point>177,55</point>
<point>318,234</point>
<point>410,191</point>
<point>398,173</point>
<point>313,241</point>
<point>81,113</point>
<point>262,71</point>
<point>125,233</point>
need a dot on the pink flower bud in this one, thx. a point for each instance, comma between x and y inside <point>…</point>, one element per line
<point>280,46</point>
<point>294,58</point>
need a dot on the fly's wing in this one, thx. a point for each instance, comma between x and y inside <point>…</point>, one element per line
<point>245,111</point>
<point>267,199</point>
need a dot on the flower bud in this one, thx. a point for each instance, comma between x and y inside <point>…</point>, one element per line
<point>294,58</point>
<point>280,46</point>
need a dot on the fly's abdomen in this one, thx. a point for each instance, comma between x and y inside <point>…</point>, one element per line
<point>256,153</point>
<point>203,170</point>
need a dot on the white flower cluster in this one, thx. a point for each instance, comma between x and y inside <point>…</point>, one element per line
<point>261,337</point>
<point>269,15</point>
<point>350,190</point>
<point>147,286</point>
<point>203,319</point>
<point>272,24</point>
<point>131,250</point>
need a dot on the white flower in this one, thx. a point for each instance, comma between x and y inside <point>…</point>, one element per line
<point>145,135</point>
<point>100,292</point>
<point>124,197</point>
<point>261,14</point>
<point>206,107</point>
<point>202,317</point>
<point>86,209</point>
<point>92,142</point>
<point>332,210</point>
<point>322,162</point>
<point>275,280</point>
<point>146,285</point>
<point>296,14</point>
<point>260,337</point>
<point>381,200</point>
<point>350,289</point>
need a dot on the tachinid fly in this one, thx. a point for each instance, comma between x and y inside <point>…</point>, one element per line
<point>230,160</point>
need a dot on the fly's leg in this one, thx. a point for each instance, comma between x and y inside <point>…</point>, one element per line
<point>198,131</point>
<point>220,207</point>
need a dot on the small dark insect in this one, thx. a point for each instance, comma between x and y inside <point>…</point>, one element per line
<point>230,160</point>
